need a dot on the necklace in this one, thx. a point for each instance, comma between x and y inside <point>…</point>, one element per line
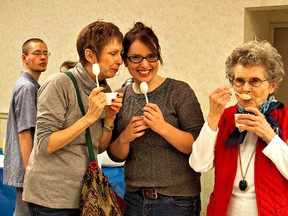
<point>243,184</point>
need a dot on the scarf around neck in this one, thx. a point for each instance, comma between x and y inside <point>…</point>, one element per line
<point>270,104</point>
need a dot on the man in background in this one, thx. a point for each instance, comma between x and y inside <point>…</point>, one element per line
<point>22,118</point>
<point>66,65</point>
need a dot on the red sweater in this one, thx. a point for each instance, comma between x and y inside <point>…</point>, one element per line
<point>270,185</point>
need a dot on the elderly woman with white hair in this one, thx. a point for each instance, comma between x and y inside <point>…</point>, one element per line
<point>250,159</point>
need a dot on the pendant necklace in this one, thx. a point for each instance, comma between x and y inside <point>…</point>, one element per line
<point>243,184</point>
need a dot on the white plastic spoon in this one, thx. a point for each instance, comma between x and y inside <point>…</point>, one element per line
<point>144,90</point>
<point>242,96</point>
<point>96,71</point>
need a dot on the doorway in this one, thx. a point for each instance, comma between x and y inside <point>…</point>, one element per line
<point>279,39</point>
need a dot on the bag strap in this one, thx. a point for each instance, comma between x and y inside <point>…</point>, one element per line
<point>87,134</point>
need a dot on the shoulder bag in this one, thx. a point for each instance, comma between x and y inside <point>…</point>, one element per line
<point>97,196</point>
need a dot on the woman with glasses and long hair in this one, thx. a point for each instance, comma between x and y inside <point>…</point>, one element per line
<point>250,151</point>
<point>155,138</point>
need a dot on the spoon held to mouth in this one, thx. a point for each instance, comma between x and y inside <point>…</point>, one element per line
<point>242,96</point>
<point>96,71</point>
<point>144,90</point>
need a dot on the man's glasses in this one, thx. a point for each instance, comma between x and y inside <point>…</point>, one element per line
<point>255,82</point>
<point>138,58</point>
<point>39,53</point>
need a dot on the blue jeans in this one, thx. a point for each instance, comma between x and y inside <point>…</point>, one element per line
<point>21,207</point>
<point>165,205</point>
<point>37,210</point>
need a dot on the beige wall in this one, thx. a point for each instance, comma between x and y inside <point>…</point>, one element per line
<point>195,36</point>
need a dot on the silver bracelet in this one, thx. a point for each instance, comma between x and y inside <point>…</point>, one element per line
<point>109,128</point>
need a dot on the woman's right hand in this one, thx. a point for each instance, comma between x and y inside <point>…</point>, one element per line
<point>134,129</point>
<point>119,149</point>
<point>218,100</point>
<point>97,102</point>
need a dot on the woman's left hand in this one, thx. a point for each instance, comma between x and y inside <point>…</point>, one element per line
<point>154,117</point>
<point>113,109</point>
<point>256,123</point>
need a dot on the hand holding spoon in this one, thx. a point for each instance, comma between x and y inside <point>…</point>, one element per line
<point>243,96</point>
<point>144,90</point>
<point>96,71</point>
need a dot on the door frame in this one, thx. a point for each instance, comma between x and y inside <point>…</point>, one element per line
<point>281,91</point>
<point>272,27</point>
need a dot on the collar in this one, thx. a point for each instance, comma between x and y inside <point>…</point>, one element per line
<point>30,78</point>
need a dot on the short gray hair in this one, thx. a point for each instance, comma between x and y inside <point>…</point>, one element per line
<point>256,53</point>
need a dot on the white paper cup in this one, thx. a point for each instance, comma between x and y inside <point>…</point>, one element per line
<point>110,96</point>
<point>236,116</point>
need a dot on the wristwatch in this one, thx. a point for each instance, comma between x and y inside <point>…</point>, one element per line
<point>109,128</point>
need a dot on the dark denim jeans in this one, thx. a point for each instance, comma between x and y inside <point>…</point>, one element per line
<point>21,207</point>
<point>37,210</point>
<point>166,206</point>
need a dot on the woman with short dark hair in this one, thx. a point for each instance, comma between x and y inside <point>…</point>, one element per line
<point>59,160</point>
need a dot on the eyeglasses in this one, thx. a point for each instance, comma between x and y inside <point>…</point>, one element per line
<point>39,53</point>
<point>255,82</point>
<point>138,58</point>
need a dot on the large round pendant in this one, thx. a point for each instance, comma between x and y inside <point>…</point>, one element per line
<point>243,185</point>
